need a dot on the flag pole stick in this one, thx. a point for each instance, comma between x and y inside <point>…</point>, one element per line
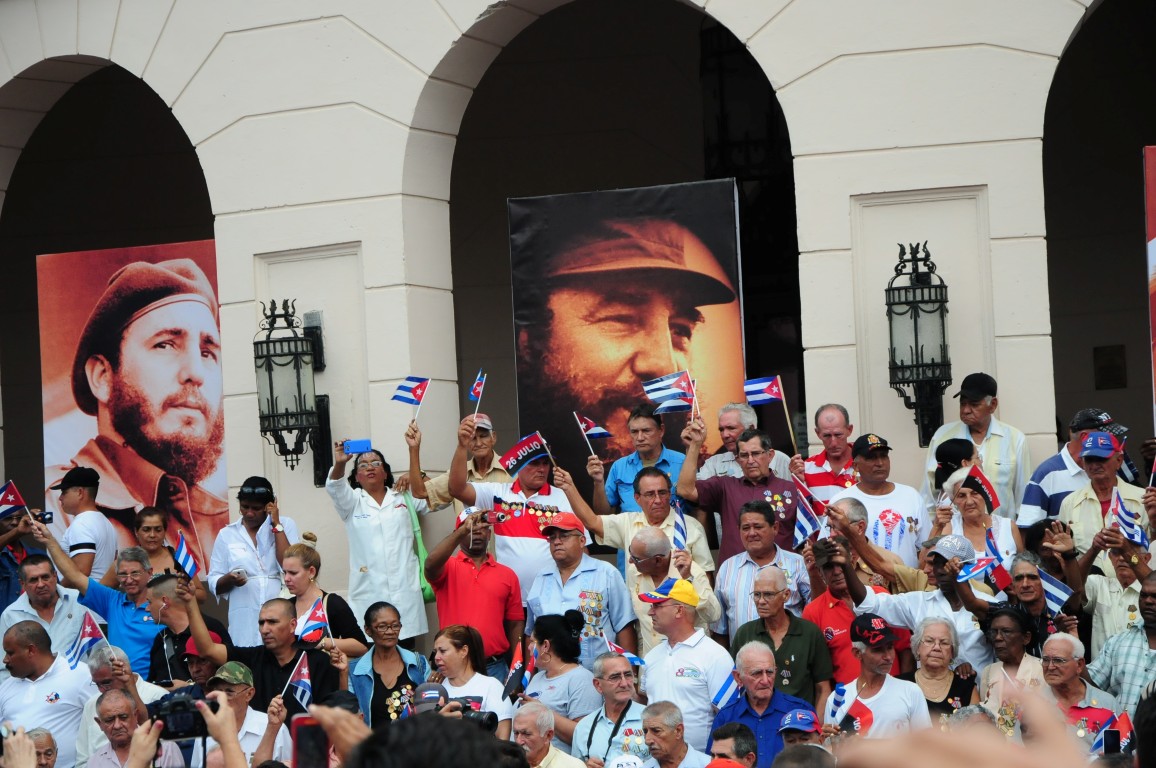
<point>417,410</point>
<point>548,453</point>
<point>478,404</point>
<point>694,410</point>
<point>787,413</point>
<point>583,431</point>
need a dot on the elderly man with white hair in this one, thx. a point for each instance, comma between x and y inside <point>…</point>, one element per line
<point>534,731</point>
<point>733,420</point>
<point>45,744</point>
<point>801,653</point>
<point>111,669</point>
<point>663,730</point>
<point>654,562</point>
<point>761,707</point>
<point>1085,706</point>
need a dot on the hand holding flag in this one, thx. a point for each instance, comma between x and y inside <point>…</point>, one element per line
<point>184,558</point>
<point>11,503</point>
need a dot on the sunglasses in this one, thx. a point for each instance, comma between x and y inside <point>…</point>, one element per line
<point>247,491</point>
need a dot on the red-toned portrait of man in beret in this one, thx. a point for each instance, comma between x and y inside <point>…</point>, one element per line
<point>148,367</point>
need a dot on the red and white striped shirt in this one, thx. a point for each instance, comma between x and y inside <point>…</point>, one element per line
<point>822,481</point>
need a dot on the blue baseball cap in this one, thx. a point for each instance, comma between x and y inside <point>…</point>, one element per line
<point>1100,445</point>
<point>800,720</point>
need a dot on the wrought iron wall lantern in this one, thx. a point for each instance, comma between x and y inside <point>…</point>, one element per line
<point>293,417</point>
<point>919,367</point>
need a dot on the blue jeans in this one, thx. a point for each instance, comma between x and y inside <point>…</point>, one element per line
<point>498,669</point>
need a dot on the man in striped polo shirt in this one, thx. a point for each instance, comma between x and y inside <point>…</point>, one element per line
<point>830,470</point>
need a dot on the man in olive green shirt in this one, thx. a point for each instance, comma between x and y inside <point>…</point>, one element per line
<point>801,654</point>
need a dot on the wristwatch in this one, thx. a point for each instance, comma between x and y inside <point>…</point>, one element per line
<point>278,528</point>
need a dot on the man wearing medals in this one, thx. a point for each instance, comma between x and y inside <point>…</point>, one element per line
<point>897,518</point>
<point>522,508</point>
<point>1086,708</point>
<point>616,728</point>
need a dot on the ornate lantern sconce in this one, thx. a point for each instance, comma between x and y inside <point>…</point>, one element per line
<point>920,369</point>
<point>293,417</point>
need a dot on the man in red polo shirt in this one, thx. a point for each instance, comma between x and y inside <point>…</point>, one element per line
<point>833,613</point>
<point>474,589</point>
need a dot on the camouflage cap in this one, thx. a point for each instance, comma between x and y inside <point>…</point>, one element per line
<point>232,673</point>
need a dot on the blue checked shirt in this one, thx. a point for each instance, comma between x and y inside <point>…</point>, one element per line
<point>1125,666</point>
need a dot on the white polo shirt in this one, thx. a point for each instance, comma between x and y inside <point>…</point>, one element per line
<point>67,619</point>
<point>688,674</point>
<point>250,735</point>
<point>54,701</point>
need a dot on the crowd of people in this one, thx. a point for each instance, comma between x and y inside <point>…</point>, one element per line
<point>1001,598</point>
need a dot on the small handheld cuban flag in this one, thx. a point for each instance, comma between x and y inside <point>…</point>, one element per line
<point>88,638</point>
<point>806,524</point>
<point>613,646</point>
<point>679,525</point>
<point>1056,592</point>
<point>838,697</point>
<point>479,385</point>
<point>411,391</point>
<point>999,574</point>
<point>184,557</point>
<point>1098,742</point>
<point>300,682</point>
<point>728,692</point>
<point>1129,523</point>
<point>520,672</point>
<point>768,389</point>
<point>11,502</point>
<point>673,392</point>
<point>976,570</point>
<point>590,429</point>
<point>315,620</point>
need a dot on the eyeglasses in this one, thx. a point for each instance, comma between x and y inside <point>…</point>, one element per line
<point>651,495</point>
<point>618,677</point>
<point>130,574</point>
<point>368,464</point>
<point>757,596</point>
<point>555,535</point>
<point>744,456</point>
<point>933,642</point>
<point>641,560</point>
<point>233,693</point>
<point>1054,661</point>
<point>247,491</point>
<point>394,627</point>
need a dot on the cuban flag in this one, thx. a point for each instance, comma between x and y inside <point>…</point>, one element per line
<point>673,392</point>
<point>90,635</point>
<point>530,447</point>
<point>806,524</point>
<point>11,502</point>
<point>808,499</point>
<point>838,697</point>
<point>1056,592</point>
<point>1124,726</point>
<point>520,672</point>
<point>768,389</point>
<point>411,391</point>
<point>976,570</point>
<point>315,620</point>
<point>1129,523</point>
<point>300,683</point>
<point>591,429</point>
<point>679,525</point>
<point>999,574</point>
<point>184,557</point>
<point>613,646</point>
<point>1098,743</point>
<point>479,385</point>
<point>727,692</point>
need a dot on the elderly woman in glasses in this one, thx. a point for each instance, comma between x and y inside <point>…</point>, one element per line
<point>380,523</point>
<point>384,679</point>
<point>1002,683</point>
<point>935,645</point>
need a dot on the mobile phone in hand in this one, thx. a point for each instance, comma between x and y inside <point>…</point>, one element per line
<point>357,446</point>
<point>310,743</point>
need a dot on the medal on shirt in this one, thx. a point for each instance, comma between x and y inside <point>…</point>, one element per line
<point>1131,613</point>
<point>1082,731</point>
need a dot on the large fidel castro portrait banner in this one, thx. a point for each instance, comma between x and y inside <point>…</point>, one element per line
<point>614,288</point>
<point>130,357</point>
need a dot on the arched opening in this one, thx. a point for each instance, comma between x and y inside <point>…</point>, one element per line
<point>1098,118</point>
<point>107,166</point>
<point>599,95</point>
